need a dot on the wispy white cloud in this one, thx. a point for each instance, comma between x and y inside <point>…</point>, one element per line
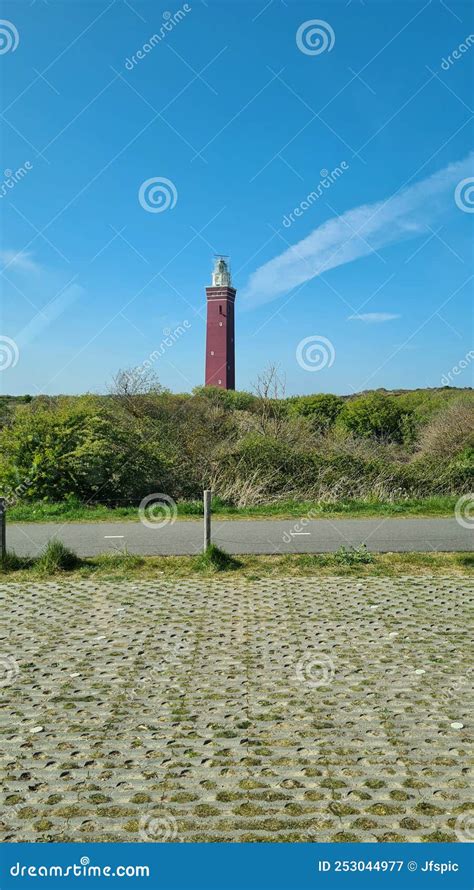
<point>373,317</point>
<point>356,233</point>
<point>19,260</point>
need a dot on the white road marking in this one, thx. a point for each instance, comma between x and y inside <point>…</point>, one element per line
<point>114,536</point>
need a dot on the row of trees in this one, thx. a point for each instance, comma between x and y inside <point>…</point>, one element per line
<point>250,448</point>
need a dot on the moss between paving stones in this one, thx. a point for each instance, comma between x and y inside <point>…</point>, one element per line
<point>199,715</point>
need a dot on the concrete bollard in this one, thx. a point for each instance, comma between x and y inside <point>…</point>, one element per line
<point>207,518</point>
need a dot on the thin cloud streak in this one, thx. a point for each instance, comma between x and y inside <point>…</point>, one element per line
<point>373,317</point>
<point>357,233</point>
<point>21,260</point>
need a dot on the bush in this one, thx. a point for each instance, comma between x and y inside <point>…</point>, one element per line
<point>231,399</point>
<point>322,409</point>
<point>271,465</point>
<point>376,415</point>
<point>250,450</point>
<point>451,431</point>
<point>86,448</point>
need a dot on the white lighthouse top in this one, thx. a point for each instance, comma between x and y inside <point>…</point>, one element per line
<point>221,276</point>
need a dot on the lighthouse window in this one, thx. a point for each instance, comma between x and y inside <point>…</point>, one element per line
<point>212,352</point>
<point>219,381</point>
<point>220,324</point>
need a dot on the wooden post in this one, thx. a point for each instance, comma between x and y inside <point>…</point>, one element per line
<point>207,518</point>
<point>3,528</point>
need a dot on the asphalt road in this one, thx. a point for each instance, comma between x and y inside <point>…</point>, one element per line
<point>245,536</point>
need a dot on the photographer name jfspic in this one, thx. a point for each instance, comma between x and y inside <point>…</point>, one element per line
<point>387,865</point>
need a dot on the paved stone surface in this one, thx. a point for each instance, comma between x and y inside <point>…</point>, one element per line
<point>291,710</point>
<point>381,535</point>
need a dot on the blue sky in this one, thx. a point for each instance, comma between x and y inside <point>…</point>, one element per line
<point>242,107</point>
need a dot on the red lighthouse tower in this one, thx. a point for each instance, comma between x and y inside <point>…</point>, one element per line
<point>220,333</point>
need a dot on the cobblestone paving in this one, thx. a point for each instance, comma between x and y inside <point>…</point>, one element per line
<point>291,710</point>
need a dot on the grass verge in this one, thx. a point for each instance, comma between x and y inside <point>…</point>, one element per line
<point>213,559</point>
<point>73,511</point>
<point>127,567</point>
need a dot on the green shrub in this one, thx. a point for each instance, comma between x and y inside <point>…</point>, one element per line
<point>322,409</point>
<point>230,399</point>
<point>273,461</point>
<point>114,450</point>
<point>86,448</point>
<point>376,416</point>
